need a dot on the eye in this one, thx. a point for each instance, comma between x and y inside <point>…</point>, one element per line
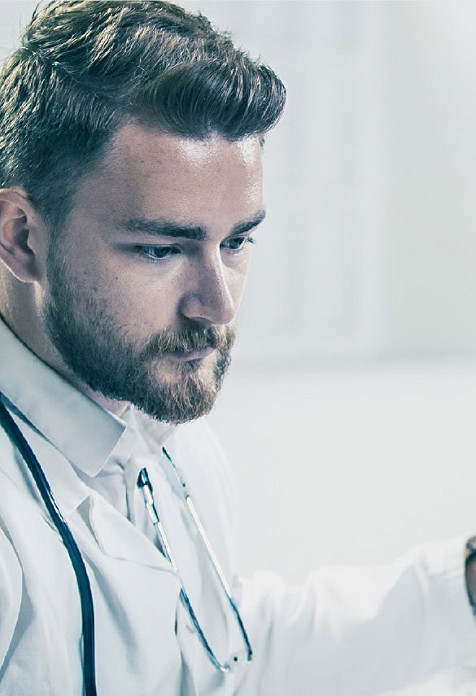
<point>237,243</point>
<point>157,253</point>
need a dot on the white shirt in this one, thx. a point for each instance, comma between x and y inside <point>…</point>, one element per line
<point>345,632</point>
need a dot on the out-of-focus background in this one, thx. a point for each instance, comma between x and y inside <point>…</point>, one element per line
<point>349,414</point>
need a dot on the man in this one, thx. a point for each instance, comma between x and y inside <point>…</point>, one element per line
<point>130,166</point>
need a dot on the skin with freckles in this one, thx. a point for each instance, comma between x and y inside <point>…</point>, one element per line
<point>134,300</point>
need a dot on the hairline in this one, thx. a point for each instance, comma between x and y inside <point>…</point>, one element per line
<point>60,222</point>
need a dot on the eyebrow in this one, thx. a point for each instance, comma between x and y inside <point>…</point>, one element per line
<point>165,228</point>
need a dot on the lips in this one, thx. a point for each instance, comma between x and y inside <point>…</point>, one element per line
<point>190,355</point>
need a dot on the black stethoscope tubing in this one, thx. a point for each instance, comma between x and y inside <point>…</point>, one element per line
<point>87,608</point>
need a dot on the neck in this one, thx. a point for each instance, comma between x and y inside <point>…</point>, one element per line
<point>18,309</point>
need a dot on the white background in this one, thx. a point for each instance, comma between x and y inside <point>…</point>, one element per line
<point>349,412</point>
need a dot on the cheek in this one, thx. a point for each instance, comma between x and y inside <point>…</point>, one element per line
<point>237,279</point>
<point>140,302</point>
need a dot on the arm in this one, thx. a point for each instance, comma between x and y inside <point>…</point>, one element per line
<point>352,631</point>
<point>471,571</point>
<point>11,584</point>
<point>360,631</point>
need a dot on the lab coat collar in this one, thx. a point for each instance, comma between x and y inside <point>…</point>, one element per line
<point>80,429</point>
<point>85,433</point>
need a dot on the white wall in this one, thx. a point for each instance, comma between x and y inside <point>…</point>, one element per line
<point>316,289</point>
<point>369,247</point>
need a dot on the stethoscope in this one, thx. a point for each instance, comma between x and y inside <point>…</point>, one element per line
<point>86,599</point>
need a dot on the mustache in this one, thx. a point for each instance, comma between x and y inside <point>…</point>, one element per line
<point>189,340</point>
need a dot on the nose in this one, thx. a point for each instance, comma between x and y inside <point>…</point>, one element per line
<point>213,294</point>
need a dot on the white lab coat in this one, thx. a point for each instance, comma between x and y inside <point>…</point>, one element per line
<point>346,632</point>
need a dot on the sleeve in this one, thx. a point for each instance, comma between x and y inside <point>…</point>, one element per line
<point>10,594</point>
<point>359,631</point>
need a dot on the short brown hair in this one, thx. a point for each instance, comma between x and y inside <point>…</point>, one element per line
<point>84,67</point>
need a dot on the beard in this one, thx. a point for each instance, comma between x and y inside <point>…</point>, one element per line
<point>96,347</point>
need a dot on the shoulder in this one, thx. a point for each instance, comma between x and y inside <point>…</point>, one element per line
<point>199,435</point>
<point>200,458</point>
<point>199,453</point>
<point>11,584</point>
<point>10,571</point>
<point>14,522</point>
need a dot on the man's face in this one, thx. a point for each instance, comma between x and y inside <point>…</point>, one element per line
<point>144,283</point>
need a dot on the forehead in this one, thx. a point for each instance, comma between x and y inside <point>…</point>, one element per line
<point>146,172</point>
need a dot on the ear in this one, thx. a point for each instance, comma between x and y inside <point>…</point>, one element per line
<point>18,233</point>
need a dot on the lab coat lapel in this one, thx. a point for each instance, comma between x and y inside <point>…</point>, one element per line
<point>118,538</point>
